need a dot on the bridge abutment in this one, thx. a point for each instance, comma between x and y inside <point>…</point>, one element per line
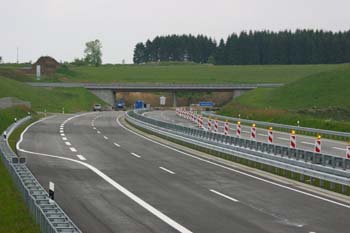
<point>108,96</point>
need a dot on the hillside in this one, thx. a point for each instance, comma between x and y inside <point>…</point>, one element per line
<point>51,100</point>
<point>320,96</point>
<point>186,73</point>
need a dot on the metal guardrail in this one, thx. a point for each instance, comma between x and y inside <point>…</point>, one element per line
<point>324,167</point>
<point>47,213</point>
<point>160,86</point>
<point>282,126</point>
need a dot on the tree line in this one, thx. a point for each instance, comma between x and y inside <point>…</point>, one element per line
<point>248,48</point>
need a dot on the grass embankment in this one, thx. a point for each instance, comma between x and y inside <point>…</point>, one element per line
<point>195,73</point>
<point>14,214</point>
<point>319,101</point>
<point>51,100</point>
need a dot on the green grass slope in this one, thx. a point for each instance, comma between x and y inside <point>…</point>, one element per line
<point>319,100</point>
<point>14,215</point>
<point>188,73</point>
<point>51,100</point>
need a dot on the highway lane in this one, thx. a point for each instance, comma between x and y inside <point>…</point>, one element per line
<point>200,196</point>
<point>331,147</point>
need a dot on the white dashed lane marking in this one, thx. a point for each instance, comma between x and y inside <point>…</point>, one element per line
<point>68,143</point>
<point>116,144</point>
<point>167,170</point>
<point>73,149</point>
<point>136,155</point>
<point>98,132</point>
<point>223,195</point>
<point>64,139</point>
<point>105,137</point>
<point>81,157</point>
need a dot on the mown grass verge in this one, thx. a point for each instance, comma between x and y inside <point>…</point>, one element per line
<point>318,101</point>
<point>14,214</point>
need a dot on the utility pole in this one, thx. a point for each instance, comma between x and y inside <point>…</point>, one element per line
<point>17,56</point>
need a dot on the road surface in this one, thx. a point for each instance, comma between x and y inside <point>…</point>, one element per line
<point>331,147</point>
<point>109,179</point>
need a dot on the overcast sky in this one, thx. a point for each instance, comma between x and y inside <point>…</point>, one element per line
<point>60,28</point>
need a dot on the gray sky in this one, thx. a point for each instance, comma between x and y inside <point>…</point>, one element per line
<point>60,28</point>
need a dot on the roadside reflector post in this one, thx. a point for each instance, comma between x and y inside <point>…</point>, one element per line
<point>209,124</point>
<point>238,130</point>
<point>318,144</point>
<point>293,141</point>
<point>216,125</point>
<point>51,190</point>
<point>348,151</point>
<point>270,136</point>
<point>253,132</point>
<point>226,128</point>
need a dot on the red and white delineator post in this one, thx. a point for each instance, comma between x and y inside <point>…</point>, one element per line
<point>200,122</point>
<point>347,151</point>
<point>270,136</point>
<point>226,128</point>
<point>238,129</point>
<point>216,125</point>
<point>293,140</point>
<point>209,124</point>
<point>318,144</point>
<point>253,132</point>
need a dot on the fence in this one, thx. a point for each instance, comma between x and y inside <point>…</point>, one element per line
<point>324,167</point>
<point>46,212</point>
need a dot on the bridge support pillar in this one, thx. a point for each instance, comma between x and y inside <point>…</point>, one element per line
<point>108,96</point>
<point>174,99</point>
<point>237,93</point>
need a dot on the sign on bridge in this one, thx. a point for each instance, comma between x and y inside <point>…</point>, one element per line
<point>206,104</point>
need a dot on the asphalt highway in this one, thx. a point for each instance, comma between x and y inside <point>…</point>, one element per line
<point>109,179</point>
<point>331,147</point>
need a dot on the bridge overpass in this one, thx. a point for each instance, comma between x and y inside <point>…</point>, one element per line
<point>107,92</point>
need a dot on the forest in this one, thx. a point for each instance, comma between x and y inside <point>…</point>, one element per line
<point>249,48</point>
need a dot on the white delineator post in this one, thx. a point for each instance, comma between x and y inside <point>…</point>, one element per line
<point>238,130</point>
<point>348,151</point>
<point>318,144</point>
<point>226,128</point>
<point>253,132</point>
<point>216,125</point>
<point>51,190</point>
<point>270,136</point>
<point>293,140</point>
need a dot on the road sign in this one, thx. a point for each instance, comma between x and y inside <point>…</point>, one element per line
<point>206,104</point>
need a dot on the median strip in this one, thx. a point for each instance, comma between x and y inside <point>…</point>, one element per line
<point>223,195</point>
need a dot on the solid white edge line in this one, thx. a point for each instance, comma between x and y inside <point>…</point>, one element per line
<point>308,143</point>
<point>337,148</point>
<point>73,149</point>
<point>223,195</point>
<point>136,155</point>
<point>123,190</point>
<point>286,139</point>
<point>116,144</point>
<point>237,171</point>
<point>81,157</point>
<point>167,170</point>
